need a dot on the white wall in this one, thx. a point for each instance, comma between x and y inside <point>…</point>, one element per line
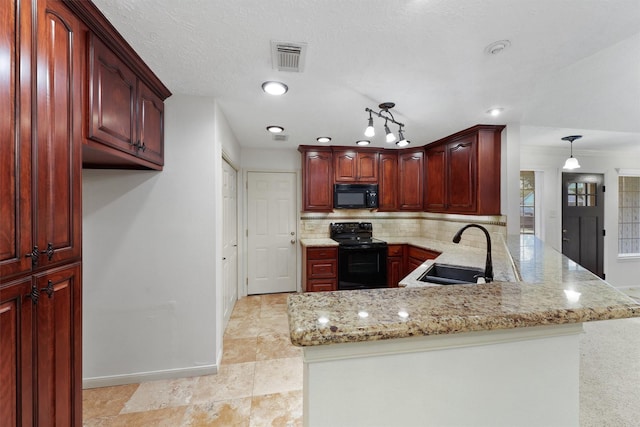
<point>619,273</point>
<point>150,245</point>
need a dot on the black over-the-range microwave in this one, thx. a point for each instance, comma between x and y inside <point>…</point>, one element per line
<point>355,196</point>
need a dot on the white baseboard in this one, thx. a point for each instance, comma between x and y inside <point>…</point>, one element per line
<point>139,377</point>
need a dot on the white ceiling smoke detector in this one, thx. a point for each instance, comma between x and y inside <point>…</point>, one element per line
<point>288,56</point>
<point>497,47</point>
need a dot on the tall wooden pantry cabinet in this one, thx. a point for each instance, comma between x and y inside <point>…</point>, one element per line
<point>40,202</point>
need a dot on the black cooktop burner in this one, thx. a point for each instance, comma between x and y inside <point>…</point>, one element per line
<point>354,234</point>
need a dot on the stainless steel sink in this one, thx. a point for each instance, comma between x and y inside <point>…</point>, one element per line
<point>447,274</point>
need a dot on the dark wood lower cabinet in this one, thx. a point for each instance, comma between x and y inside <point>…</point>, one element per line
<point>319,269</point>
<point>16,354</point>
<point>395,265</point>
<point>57,337</point>
<point>416,256</point>
<point>41,351</point>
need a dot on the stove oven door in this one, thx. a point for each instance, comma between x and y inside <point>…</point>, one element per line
<point>362,267</point>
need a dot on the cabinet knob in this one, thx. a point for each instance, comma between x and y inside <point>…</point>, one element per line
<point>34,255</point>
<point>138,146</point>
<point>49,251</point>
<point>35,292</point>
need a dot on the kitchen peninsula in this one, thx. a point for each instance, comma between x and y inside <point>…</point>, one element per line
<point>502,353</point>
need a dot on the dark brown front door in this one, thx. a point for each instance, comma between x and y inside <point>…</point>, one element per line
<point>583,220</point>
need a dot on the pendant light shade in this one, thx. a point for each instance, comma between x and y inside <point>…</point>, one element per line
<point>572,162</point>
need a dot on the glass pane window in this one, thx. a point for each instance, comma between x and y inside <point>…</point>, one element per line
<point>527,202</point>
<point>629,215</point>
<point>582,194</point>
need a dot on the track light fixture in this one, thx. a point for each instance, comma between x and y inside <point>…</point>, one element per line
<point>572,162</point>
<point>385,114</point>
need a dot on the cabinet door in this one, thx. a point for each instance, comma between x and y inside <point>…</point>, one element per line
<point>411,170</point>
<point>16,373</point>
<point>58,335</point>
<point>344,166</point>
<point>317,176</point>
<point>394,271</point>
<point>388,184</point>
<point>150,142</point>
<point>15,137</point>
<point>367,167</point>
<point>57,173</point>
<point>435,179</point>
<point>461,157</point>
<point>112,98</point>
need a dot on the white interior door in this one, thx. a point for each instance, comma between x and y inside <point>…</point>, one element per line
<point>271,238</point>
<point>229,240</point>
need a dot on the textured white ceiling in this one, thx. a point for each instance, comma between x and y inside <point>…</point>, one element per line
<point>573,65</point>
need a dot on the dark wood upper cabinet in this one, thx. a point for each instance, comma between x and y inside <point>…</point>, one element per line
<point>388,182</point>
<point>462,172</point>
<point>458,174</point>
<point>317,179</point>
<point>355,166</point>
<point>58,165</point>
<point>461,175</point>
<point>435,178</point>
<point>124,113</point>
<point>150,125</point>
<point>112,98</point>
<point>15,137</point>
<point>411,178</point>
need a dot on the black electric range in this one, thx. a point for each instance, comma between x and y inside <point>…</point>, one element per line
<point>362,259</point>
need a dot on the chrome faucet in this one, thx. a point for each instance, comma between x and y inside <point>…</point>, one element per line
<point>488,267</point>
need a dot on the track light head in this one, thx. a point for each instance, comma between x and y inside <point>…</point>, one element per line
<point>390,136</point>
<point>370,131</point>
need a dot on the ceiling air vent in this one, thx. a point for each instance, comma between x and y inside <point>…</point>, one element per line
<point>280,137</point>
<point>287,56</point>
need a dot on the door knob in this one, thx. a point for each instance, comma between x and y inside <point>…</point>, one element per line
<point>293,241</point>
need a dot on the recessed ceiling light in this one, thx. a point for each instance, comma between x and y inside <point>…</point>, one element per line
<point>275,129</point>
<point>363,142</point>
<point>495,111</point>
<point>274,88</point>
<point>323,139</point>
<point>497,47</point>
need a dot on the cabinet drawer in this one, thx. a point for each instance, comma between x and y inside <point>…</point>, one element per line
<point>322,253</point>
<point>322,268</point>
<point>422,254</point>
<point>395,250</point>
<point>321,285</point>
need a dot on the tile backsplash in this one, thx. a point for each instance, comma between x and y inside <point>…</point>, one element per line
<point>406,224</point>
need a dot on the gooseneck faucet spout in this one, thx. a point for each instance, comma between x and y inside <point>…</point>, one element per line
<point>488,267</point>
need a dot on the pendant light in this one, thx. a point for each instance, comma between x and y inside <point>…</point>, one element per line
<point>572,162</point>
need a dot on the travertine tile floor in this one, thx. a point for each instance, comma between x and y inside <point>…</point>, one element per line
<point>259,382</point>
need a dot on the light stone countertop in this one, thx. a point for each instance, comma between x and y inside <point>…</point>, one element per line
<point>552,290</point>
